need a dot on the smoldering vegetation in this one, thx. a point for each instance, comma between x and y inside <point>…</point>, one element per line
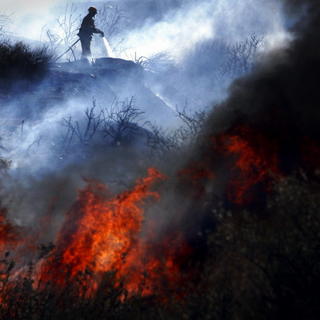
<point>228,230</point>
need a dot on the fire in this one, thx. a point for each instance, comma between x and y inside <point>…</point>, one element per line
<point>241,159</point>
<point>103,233</point>
<point>9,235</point>
<point>249,159</point>
<point>152,268</point>
<point>255,163</point>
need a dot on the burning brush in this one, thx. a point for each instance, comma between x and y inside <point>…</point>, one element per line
<point>102,234</point>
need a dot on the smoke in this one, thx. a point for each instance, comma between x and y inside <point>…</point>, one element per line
<point>197,39</point>
<point>277,103</point>
<point>179,29</point>
<point>275,84</point>
<point>285,80</point>
<point>196,21</point>
<point>273,111</point>
<point>175,27</point>
<point>29,17</point>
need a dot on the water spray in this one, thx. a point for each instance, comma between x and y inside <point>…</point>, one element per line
<point>107,47</point>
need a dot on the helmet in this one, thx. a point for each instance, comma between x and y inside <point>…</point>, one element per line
<point>92,10</point>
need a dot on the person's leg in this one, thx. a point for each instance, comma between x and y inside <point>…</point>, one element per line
<point>86,51</point>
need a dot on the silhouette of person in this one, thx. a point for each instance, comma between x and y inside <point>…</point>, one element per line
<point>86,31</point>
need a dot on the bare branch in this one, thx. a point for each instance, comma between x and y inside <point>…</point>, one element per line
<point>84,132</point>
<point>121,120</point>
<point>66,30</point>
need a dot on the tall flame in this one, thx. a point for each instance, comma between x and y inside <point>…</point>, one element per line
<point>102,233</point>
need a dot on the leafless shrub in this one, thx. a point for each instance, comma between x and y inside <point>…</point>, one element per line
<point>160,62</point>
<point>65,33</point>
<point>141,60</point>
<point>161,142</point>
<point>121,121</point>
<point>241,56</point>
<point>110,19</point>
<point>54,41</point>
<point>112,125</point>
<point>218,60</point>
<point>192,124</point>
<point>83,131</point>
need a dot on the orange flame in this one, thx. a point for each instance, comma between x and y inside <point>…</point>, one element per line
<point>152,268</point>
<point>107,228</point>
<point>256,162</point>
<point>102,234</point>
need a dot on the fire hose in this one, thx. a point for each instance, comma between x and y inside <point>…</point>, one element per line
<point>70,48</point>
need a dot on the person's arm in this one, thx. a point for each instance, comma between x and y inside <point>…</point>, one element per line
<point>96,30</point>
<point>99,31</point>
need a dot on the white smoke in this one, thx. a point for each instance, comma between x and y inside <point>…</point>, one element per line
<point>29,17</point>
<point>230,20</point>
<point>176,33</point>
<point>32,142</point>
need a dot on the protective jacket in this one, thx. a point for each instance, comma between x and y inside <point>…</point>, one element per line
<point>88,28</point>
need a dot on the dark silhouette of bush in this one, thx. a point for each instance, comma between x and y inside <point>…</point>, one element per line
<point>19,62</point>
<point>263,264</point>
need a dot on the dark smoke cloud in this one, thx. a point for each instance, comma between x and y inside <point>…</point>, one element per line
<point>279,101</point>
<point>281,96</point>
<point>277,104</point>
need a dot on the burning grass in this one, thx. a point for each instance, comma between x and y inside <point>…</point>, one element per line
<point>110,259</point>
<point>263,266</point>
<point>103,234</point>
<point>245,245</point>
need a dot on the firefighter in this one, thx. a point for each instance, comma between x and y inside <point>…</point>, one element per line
<point>86,31</point>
